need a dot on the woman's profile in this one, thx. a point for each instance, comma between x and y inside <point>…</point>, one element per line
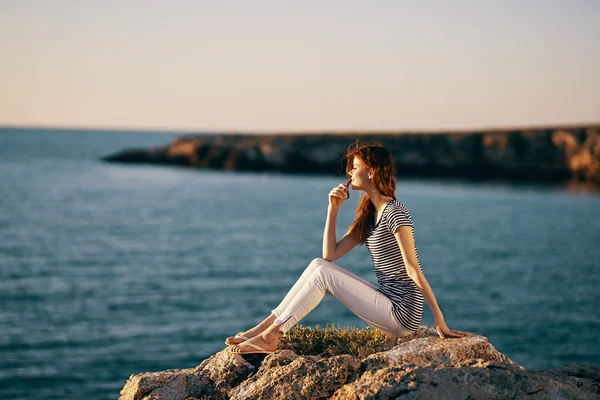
<point>385,226</point>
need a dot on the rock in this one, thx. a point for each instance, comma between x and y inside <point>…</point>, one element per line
<point>481,380</point>
<point>214,377</point>
<point>422,366</point>
<point>561,154</point>
<point>306,377</point>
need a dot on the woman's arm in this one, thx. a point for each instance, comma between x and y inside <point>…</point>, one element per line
<point>404,237</point>
<point>332,250</point>
<point>417,276</point>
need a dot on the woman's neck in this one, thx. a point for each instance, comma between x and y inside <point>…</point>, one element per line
<point>379,200</point>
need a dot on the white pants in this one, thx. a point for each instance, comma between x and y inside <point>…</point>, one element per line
<point>360,296</point>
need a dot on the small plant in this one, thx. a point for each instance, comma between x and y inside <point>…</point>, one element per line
<point>333,341</point>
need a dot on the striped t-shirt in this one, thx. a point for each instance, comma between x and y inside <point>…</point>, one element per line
<point>393,279</point>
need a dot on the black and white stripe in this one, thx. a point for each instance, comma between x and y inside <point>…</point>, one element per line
<point>390,270</point>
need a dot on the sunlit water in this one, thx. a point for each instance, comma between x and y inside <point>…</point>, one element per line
<point>112,269</point>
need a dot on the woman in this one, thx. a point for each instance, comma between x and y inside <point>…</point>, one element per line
<point>385,226</point>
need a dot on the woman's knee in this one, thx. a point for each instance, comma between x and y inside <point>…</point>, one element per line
<point>313,265</point>
<point>318,263</point>
<point>320,267</point>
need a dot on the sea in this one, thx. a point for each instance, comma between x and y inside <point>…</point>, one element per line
<point>110,269</point>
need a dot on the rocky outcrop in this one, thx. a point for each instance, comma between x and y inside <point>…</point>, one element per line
<point>421,366</point>
<point>540,154</point>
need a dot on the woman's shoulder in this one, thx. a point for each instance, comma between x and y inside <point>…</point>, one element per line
<point>396,204</point>
<point>398,214</point>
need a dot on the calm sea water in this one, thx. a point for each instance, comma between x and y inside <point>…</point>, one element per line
<point>112,269</point>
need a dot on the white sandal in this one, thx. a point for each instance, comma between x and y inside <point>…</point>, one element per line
<point>257,347</point>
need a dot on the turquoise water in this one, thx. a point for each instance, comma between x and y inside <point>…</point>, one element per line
<point>112,269</point>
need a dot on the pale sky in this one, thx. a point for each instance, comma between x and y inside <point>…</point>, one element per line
<point>299,65</point>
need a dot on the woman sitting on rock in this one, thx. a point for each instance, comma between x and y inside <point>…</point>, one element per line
<point>384,224</point>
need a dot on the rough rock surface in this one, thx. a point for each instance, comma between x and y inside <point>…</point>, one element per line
<point>424,366</point>
<point>569,154</point>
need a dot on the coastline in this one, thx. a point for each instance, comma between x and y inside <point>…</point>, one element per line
<point>566,155</point>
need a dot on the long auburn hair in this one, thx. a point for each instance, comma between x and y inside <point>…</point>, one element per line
<point>379,160</point>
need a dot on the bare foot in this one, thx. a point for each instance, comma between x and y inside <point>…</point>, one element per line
<point>269,342</point>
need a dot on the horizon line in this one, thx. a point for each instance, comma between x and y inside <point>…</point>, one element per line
<point>573,125</point>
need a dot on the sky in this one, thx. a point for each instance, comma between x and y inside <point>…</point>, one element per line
<point>272,66</point>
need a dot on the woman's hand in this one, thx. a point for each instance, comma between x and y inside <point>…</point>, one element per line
<point>445,332</point>
<point>337,195</point>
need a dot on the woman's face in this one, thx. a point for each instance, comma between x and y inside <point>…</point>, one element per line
<point>359,175</point>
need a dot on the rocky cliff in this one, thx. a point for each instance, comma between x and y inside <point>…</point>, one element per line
<point>419,366</point>
<point>540,154</point>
